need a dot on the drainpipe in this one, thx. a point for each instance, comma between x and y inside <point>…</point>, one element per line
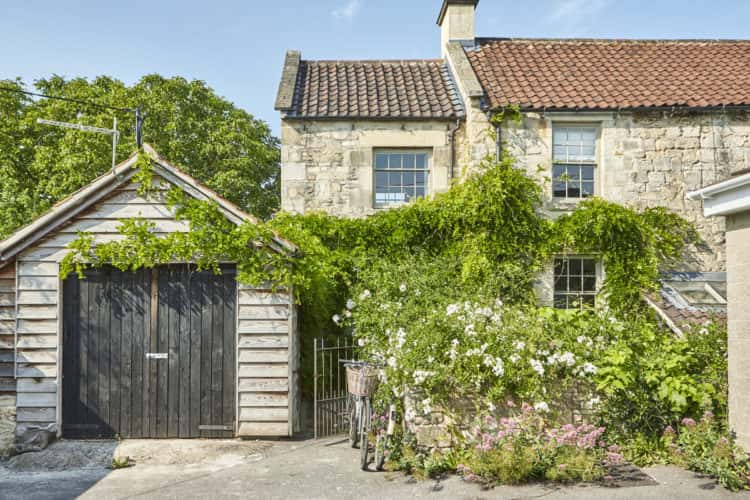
<point>452,139</point>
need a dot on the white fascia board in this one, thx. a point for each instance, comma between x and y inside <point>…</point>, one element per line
<point>724,198</point>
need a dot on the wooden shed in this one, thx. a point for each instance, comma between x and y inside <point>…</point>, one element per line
<point>168,352</point>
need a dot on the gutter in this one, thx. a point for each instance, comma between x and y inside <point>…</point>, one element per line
<point>709,192</point>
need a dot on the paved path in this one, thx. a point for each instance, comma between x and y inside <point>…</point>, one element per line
<point>312,470</point>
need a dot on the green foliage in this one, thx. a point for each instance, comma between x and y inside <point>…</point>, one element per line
<point>706,447</point>
<point>216,142</point>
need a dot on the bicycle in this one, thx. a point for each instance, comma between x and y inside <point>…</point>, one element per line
<point>362,379</point>
<point>381,445</point>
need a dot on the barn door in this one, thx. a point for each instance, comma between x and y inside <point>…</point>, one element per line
<point>149,354</point>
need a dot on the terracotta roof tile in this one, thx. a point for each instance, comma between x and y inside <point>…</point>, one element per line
<point>611,74</point>
<point>375,90</point>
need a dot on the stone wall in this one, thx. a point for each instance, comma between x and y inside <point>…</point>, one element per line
<point>328,166</point>
<point>7,425</point>
<point>647,160</point>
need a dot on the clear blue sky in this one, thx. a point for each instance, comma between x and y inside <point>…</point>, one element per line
<point>238,46</point>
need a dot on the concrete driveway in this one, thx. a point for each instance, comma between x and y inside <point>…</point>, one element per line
<point>279,470</point>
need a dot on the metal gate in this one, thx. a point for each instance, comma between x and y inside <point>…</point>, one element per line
<point>330,396</point>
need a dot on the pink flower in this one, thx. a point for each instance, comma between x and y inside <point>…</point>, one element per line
<point>562,467</point>
<point>708,415</point>
<point>688,422</point>
<point>669,430</point>
<point>510,404</point>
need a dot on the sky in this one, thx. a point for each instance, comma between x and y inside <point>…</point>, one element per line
<point>238,46</point>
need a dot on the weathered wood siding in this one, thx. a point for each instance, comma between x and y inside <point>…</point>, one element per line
<point>7,328</point>
<point>39,292</point>
<point>263,320</point>
<point>265,366</point>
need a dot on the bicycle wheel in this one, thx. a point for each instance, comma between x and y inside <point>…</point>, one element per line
<point>364,425</point>
<point>354,422</point>
<point>381,448</point>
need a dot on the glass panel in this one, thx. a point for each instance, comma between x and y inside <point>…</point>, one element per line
<point>421,160</point>
<point>381,161</point>
<point>419,178</point>
<point>589,267</point>
<point>408,179</point>
<point>574,173</point>
<point>561,284</point>
<point>587,153</point>
<point>420,192</point>
<point>394,178</point>
<point>574,191</point>
<point>587,173</point>
<point>589,284</point>
<point>589,300</point>
<point>394,161</point>
<point>381,180</point>
<point>576,267</point>
<point>408,161</point>
<point>558,189</point>
<point>561,302</point>
<point>587,189</point>
<point>560,267</point>
<point>558,171</point>
<point>559,153</point>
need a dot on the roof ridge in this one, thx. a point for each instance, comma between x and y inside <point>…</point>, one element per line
<point>481,40</point>
<point>372,61</point>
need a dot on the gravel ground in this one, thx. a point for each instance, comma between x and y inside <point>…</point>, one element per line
<point>286,470</point>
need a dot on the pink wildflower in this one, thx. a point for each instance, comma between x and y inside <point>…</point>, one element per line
<point>510,404</point>
<point>708,415</point>
<point>669,430</point>
<point>688,422</point>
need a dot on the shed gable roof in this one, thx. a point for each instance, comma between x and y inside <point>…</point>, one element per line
<point>418,89</point>
<point>612,74</point>
<point>86,197</point>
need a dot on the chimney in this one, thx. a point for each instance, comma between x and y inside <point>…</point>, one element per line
<point>456,21</point>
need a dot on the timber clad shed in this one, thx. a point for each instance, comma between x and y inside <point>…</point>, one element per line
<point>168,352</point>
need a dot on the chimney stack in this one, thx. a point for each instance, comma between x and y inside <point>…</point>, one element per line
<point>456,21</point>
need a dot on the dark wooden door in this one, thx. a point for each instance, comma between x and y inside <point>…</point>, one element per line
<point>149,354</point>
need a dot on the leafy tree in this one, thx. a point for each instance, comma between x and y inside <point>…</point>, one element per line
<point>221,145</point>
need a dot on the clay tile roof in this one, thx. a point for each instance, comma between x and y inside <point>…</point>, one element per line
<point>612,74</point>
<point>421,89</point>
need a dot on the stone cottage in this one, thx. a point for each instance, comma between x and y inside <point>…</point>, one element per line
<point>638,122</point>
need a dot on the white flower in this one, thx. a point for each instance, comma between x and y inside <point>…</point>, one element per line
<point>400,337</point>
<point>365,295</point>
<point>589,368</point>
<point>519,345</point>
<point>541,406</point>
<point>336,319</point>
<point>496,364</point>
<point>350,304</point>
<point>426,406</point>
<point>402,288</point>
<point>514,358</point>
<point>536,365</point>
<point>417,293</point>
<point>567,358</point>
<point>469,330</point>
<point>392,362</point>
<point>451,309</point>
<point>455,342</point>
<point>430,359</point>
<point>420,376</point>
<point>348,313</point>
<point>361,342</point>
<point>594,402</point>
<point>582,339</point>
<point>703,331</point>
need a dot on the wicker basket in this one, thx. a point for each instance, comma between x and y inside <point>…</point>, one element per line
<point>360,384</point>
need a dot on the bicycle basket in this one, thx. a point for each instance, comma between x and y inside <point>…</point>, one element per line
<point>362,384</point>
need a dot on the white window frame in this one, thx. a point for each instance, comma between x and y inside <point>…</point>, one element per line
<point>576,163</point>
<point>597,276</point>
<point>415,170</point>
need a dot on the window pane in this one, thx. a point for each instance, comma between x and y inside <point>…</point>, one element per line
<point>561,284</point>
<point>574,191</point>
<point>558,171</point>
<point>420,192</point>
<point>587,189</point>
<point>408,179</point>
<point>587,173</point>
<point>419,178</point>
<point>575,284</point>
<point>408,161</point>
<point>589,300</point>
<point>589,284</point>
<point>381,180</point>
<point>561,267</point>
<point>589,267</point>
<point>394,178</point>
<point>576,267</point>
<point>561,302</point>
<point>421,160</point>
<point>381,161</point>
<point>394,161</point>
<point>573,173</point>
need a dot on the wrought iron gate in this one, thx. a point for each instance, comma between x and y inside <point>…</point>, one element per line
<point>330,397</point>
